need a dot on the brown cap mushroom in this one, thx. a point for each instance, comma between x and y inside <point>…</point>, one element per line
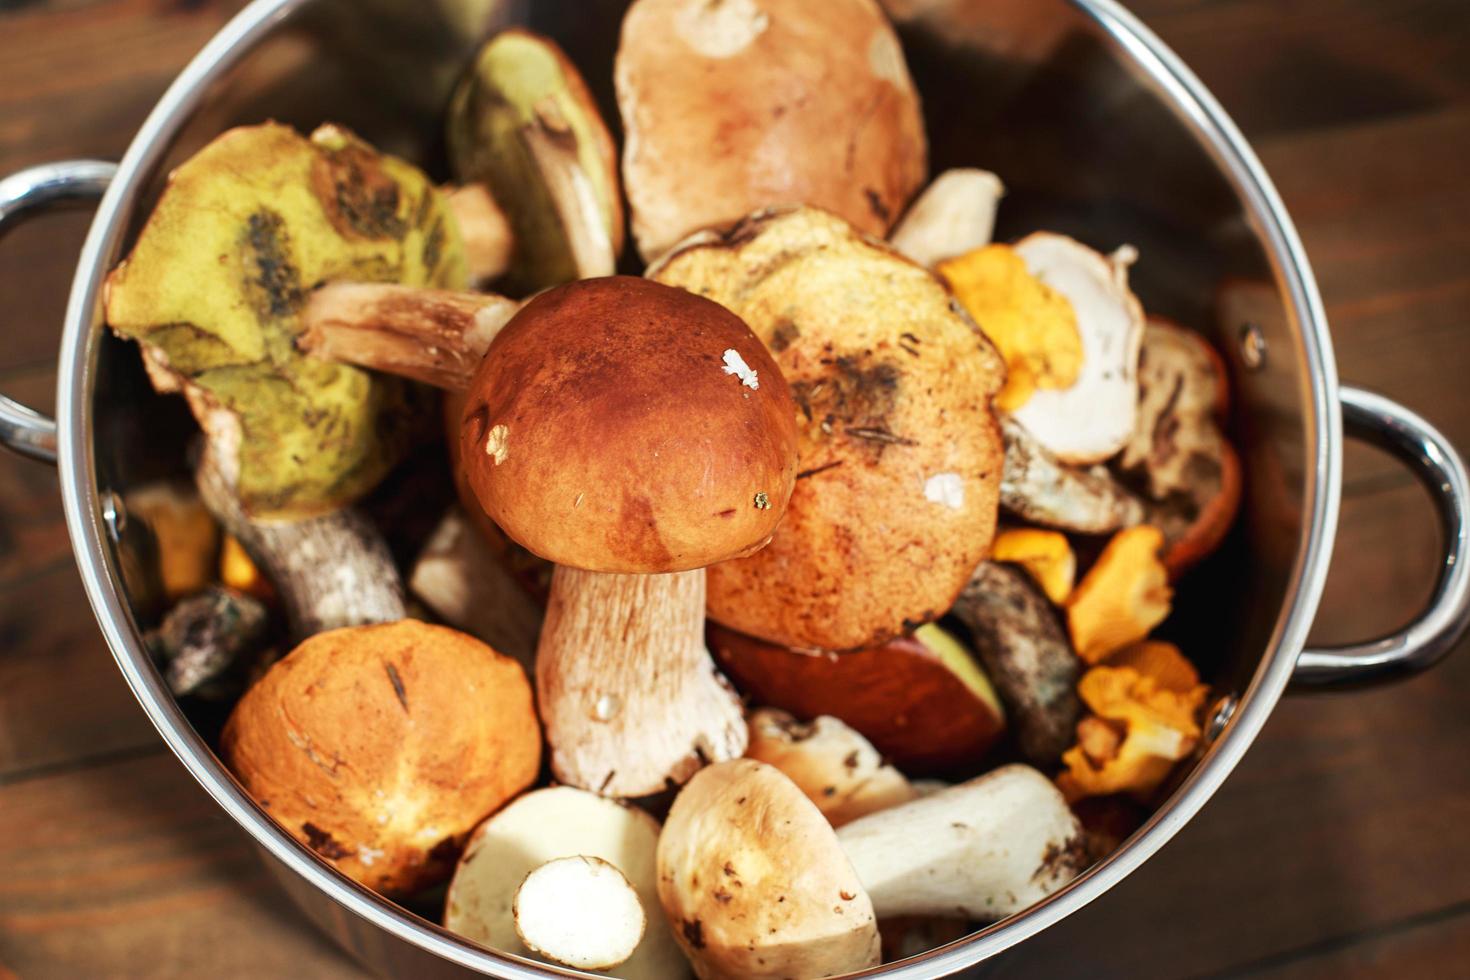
<point>621,426</point>
<point>752,879</point>
<point>546,825</point>
<point>735,105</point>
<point>895,502</point>
<point>381,747</point>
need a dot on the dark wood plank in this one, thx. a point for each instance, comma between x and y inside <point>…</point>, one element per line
<point>32,529</point>
<point>131,870</point>
<point>1421,947</point>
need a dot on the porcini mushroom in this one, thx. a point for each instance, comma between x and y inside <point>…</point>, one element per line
<point>922,700</point>
<point>633,433</point>
<point>522,119</point>
<point>1038,487</point>
<point>900,467</point>
<point>986,848</point>
<point>1025,652</point>
<point>545,825</point>
<point>213,290</point>
<point>579,911</point>
<point>954,215</point>
<point>1091,419</point>
<point>834,766</point>
<point>752,878</point>
<point>733,105</point>
<point>381,747</point>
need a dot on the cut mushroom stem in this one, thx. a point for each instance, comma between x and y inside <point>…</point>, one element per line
<point>629,696</point>
<point>835,767</point>
<point>986,848</point>
<point>489,242</point>
<point>330,571</point>
<point>579,911</point>
<point>431,335</point>
<point>1041,489</point>
<point>954,215</point>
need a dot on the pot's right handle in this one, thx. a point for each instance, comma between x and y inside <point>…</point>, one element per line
<point>1420,446</point>
<point>69,182</point>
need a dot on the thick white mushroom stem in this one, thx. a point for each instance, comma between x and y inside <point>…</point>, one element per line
<point>954,215</point>
<point>485,230</point>
<point>986,848</point>
<point>629,696</point>
<point>330,571</point>
<point>432,335</point>
<point>579,911</point>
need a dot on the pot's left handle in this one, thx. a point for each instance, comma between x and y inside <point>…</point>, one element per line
<point>1389,426</point>
<point>68,183</point>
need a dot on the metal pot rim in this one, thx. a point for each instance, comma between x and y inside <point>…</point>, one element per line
<point>1322,430</point>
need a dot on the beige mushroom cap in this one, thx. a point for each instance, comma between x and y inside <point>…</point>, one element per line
<point>754,883</point>
<point>743,104</point>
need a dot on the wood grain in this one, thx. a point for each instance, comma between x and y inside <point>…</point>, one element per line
<point>1336,849</point>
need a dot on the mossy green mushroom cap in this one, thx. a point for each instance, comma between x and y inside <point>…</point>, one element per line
<point>213,290</point>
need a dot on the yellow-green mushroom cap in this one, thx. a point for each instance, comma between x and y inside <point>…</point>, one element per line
<point>214,287</point>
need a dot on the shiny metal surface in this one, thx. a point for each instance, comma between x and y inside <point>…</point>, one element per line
<point>31,191</point>
<point>1423,642</point>
<point>1100,132</point>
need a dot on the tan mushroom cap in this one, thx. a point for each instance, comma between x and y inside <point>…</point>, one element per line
<point>620,425</point>
<point>754,882</point>
<point>733,106</point>
<point>381,747</point>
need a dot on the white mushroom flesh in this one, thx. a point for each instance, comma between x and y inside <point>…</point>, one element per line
<point>954,215</point>
<point>579,911</point>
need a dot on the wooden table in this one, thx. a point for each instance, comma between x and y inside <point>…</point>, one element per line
<point>1339,847</point>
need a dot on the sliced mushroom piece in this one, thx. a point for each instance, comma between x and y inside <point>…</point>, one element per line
<point>834,766</point>
<point>1038,487</point>
<point>900,452</point>
<point>987,848</point>
<point>381,747</point>
<point>633,433</point>
<point>922,700</point>
<point>1025,652</point>
<point>579,911</point>
<point>737,105</point>
<point>754,881</point>
<point>954,215</point>
<point>1092,419</point>
<point>430,335</point>
<point>545,825</point>
<point>523,122</point>
<point>466,585</point>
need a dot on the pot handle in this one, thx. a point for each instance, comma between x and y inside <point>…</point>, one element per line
<point>65,183</point>
<point>1417,444</point>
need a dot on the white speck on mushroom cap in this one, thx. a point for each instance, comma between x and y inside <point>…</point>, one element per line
<point>885,57</point>
<point>735,364</point>
<point>720,28</point>
<point>947,489</point>
<point>495,443</point>
<point>367,855</point>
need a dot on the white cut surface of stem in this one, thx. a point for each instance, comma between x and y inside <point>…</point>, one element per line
<point>461,580</point>
<point>954,215</point>
<point>834,765</point>
<point>629,696</point>
<point>985,848</point>
<point>330,571</point>
<point>579,911</point>
<point>544,825</point>
<point>435,336</point>
<point>485,230</point>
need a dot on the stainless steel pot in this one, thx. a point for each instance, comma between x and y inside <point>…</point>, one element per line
<point>1098,129</point>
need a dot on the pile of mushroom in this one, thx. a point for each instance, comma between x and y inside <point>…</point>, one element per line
<point>802,538</point>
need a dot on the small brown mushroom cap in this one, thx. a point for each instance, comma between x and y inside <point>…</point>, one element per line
<point>381,747</point>
<point>896,497</point>
<point>620,425</point>
<point>733,106</point>
<point>754,883</point>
